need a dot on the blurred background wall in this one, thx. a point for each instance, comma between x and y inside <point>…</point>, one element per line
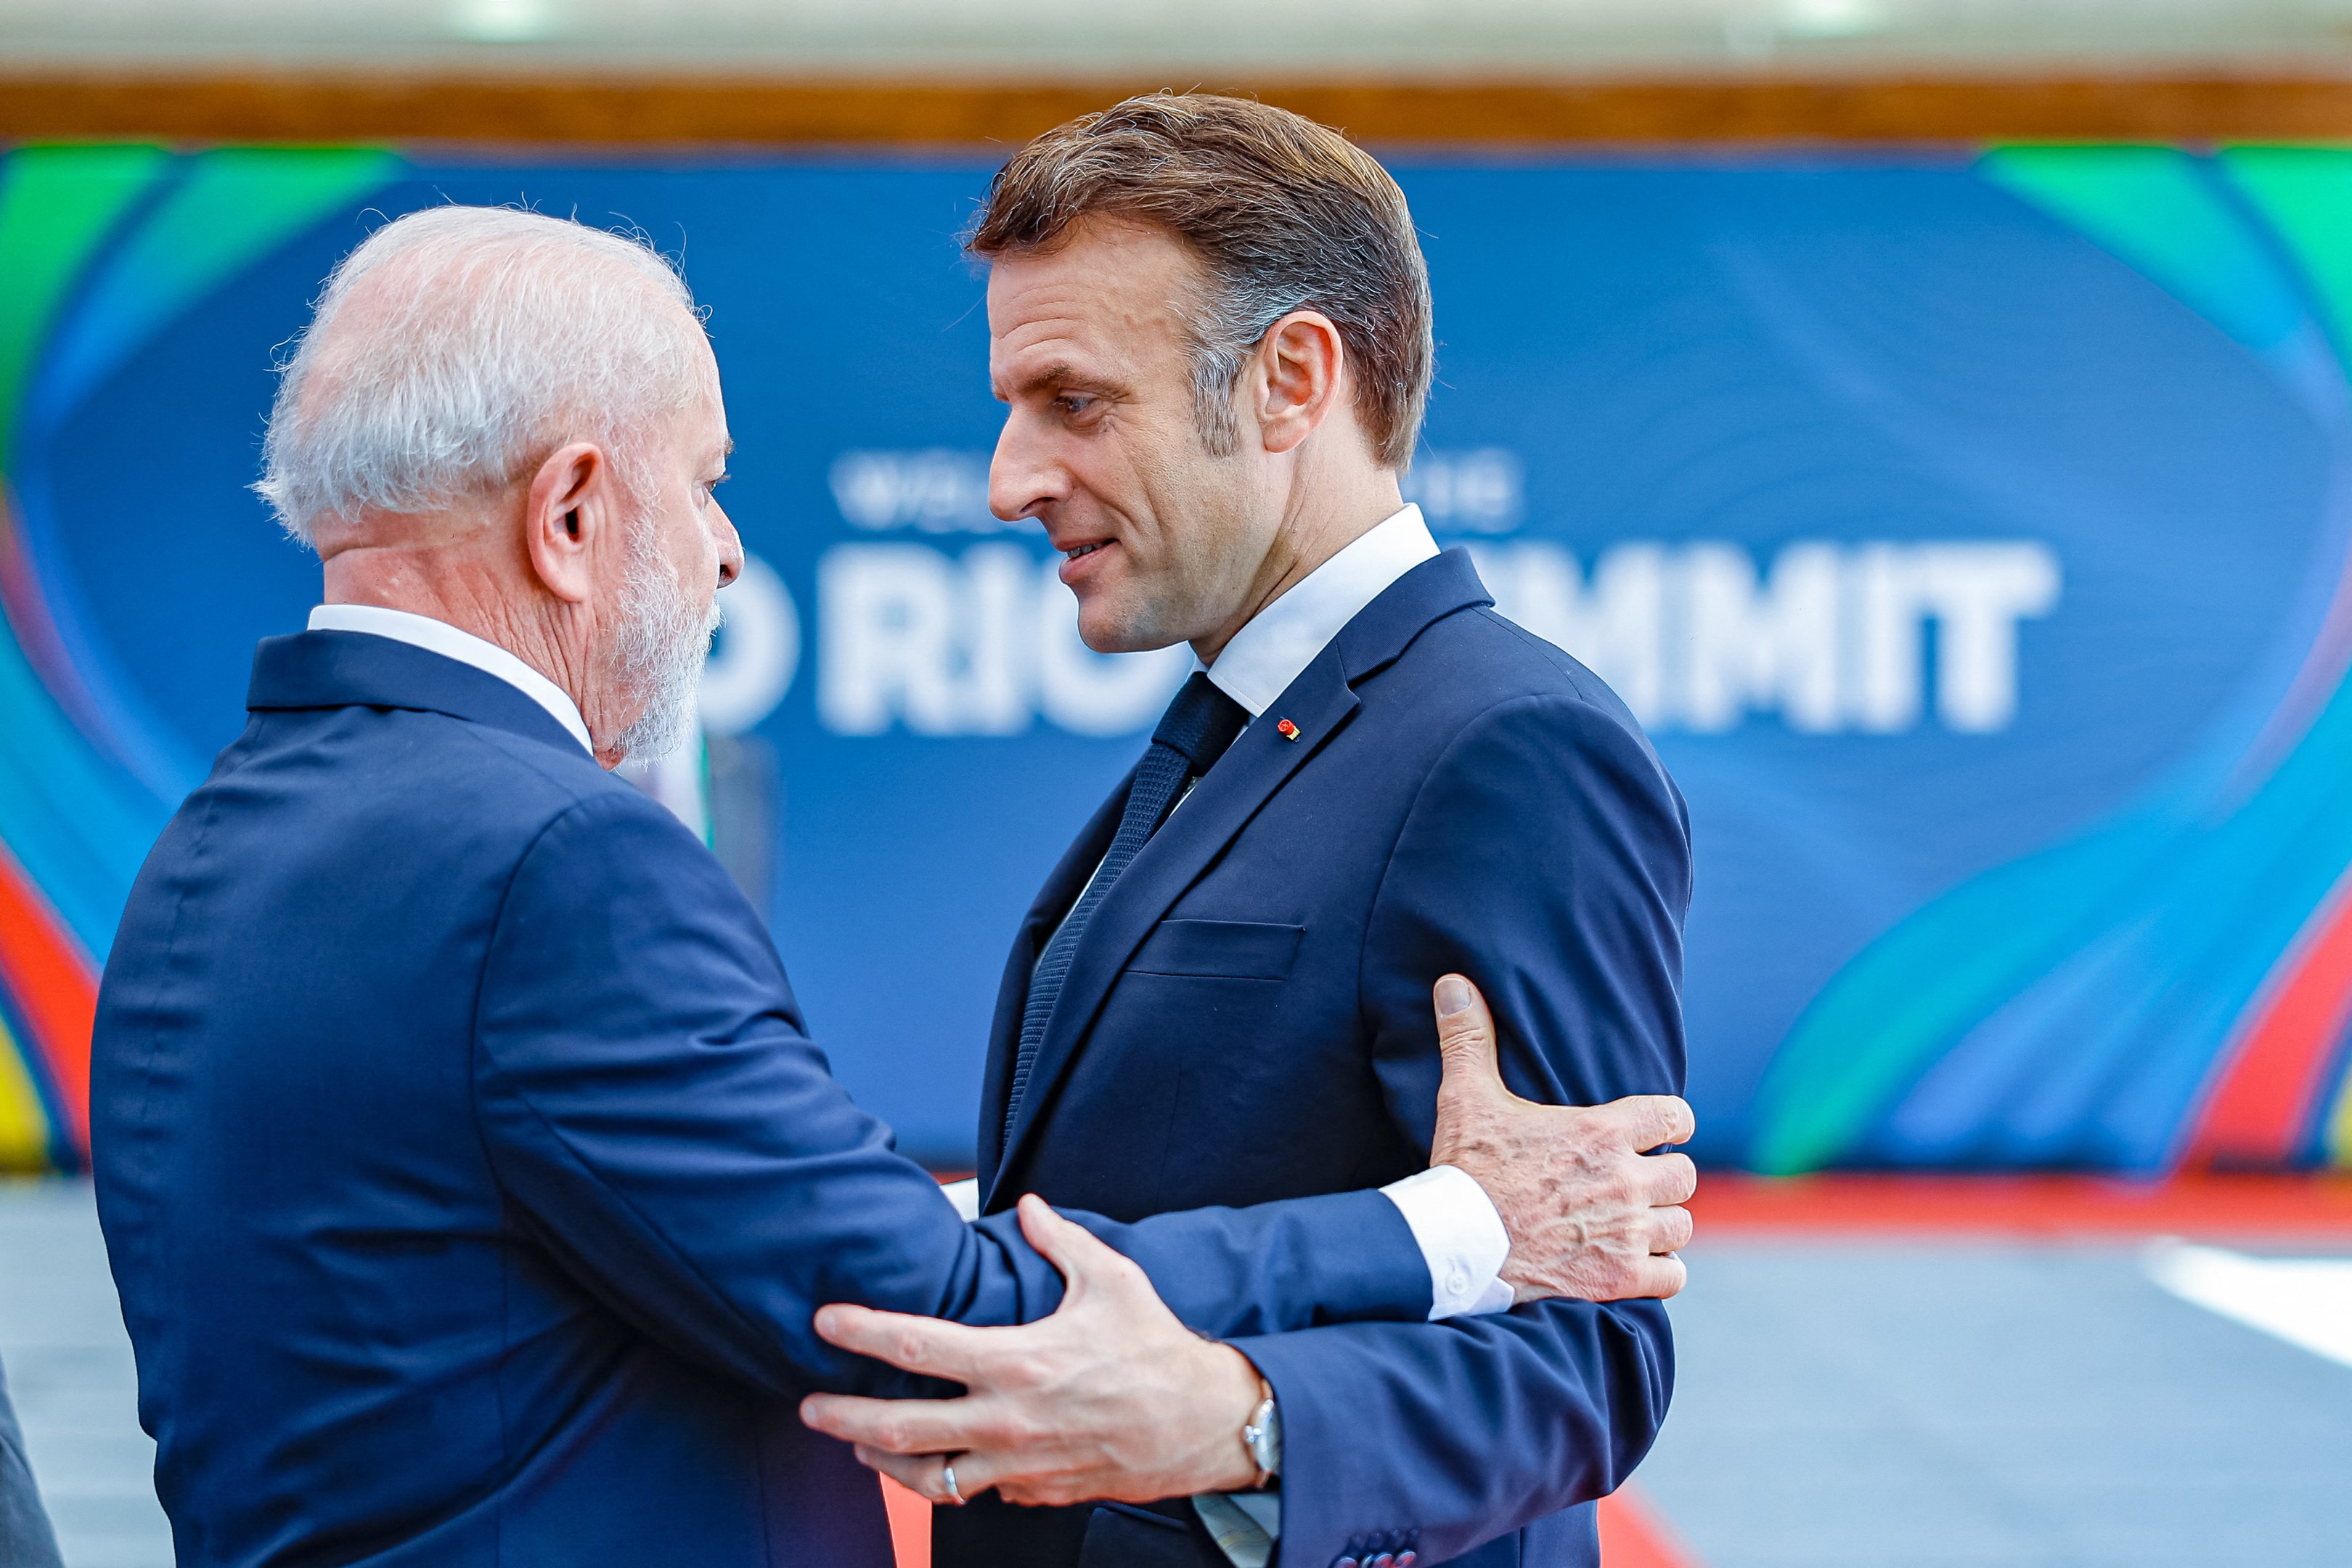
<point>1933,419</point>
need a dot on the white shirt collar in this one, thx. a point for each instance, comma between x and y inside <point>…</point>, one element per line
<point>441,638</point>
<point>1280,641</point>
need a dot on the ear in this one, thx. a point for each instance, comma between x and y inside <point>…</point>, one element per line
<point>1303,366</point>
<point>570,508</point>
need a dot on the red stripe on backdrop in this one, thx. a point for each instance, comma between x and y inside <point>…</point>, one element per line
<point>55,987</point>
<point>2258,1112</point>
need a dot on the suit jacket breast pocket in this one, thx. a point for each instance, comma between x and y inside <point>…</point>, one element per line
<point>1224,949</point>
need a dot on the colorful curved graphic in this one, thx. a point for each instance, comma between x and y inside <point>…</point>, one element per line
<point>2174,984</point>
<point>100,248</point>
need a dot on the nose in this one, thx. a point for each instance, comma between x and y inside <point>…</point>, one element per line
<point>1022,478</point>
<point>729,543</point>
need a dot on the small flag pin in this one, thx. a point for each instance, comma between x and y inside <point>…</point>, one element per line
<point>1287,730</point>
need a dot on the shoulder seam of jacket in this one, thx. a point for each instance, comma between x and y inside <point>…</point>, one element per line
<point>1404,821</point>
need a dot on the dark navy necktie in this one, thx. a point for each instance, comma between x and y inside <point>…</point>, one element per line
<point>1193,735</point>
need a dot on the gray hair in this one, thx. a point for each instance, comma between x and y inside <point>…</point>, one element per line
<point>488,336</point>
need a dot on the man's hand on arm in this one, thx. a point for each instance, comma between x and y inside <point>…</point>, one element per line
<point>1112,1398</point>
<point>1591,1216</point>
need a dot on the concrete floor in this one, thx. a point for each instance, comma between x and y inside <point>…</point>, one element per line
<point>70,1373</point>
<point>1979,1406</point>
<point>1856,1405</point>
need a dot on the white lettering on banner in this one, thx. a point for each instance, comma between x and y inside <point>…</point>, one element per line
<point>1774,647</point>
<point>1621,624</point>
<point>1832,637</point>
<point>972,646</point>
<point>942,489</point>
<point>1978,594</point>
<point>1478,491</point>
<point>884,618</point>
<point>757,654</point>
<point>935,490</point>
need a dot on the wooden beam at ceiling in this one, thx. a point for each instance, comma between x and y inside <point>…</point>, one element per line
<point>773,111</point>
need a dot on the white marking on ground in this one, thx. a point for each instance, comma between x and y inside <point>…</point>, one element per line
<point>2306,1301</point>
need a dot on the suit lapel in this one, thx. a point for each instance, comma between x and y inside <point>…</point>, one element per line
<point>1219,807</point>
<point>1319,703</point>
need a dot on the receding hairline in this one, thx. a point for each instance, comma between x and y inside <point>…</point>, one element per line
<point>444,288</point>
<point>1198,281</point>
<point>438,263</point>
<point>1267,203</point>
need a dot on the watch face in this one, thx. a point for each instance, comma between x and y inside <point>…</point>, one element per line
<point>1264,1435</point>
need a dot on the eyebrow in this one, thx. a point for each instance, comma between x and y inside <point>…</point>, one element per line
<point>1059,373</point>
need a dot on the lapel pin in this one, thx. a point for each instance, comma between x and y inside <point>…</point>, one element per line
<point>1287,730</point>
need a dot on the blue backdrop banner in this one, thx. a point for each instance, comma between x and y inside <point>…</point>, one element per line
<point>1969,531</point>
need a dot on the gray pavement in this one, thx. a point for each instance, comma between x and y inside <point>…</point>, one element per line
<point>1841,1406</point>
<point>70,1373</point>
<point>1972,1404</point>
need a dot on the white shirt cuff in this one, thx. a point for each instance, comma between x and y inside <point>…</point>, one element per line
<point>1462,1239</point>
<point>965,1195</point>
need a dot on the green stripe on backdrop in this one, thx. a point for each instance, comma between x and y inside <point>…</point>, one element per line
<point>57,204</point>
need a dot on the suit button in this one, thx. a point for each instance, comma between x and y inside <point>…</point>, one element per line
<point>1382,1560</point>
<point>1343,1562</point>
<point>1407,1559</point>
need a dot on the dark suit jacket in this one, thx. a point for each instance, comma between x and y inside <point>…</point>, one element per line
<point>470,1181</point>
<point>1249,1017</point>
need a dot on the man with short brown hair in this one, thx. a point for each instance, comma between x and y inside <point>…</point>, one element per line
<point>1210,320</point>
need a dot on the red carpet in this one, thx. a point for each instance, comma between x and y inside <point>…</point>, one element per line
<point>910,1525</point>
<point>2212,1207</point>
<point>1631,1535</point>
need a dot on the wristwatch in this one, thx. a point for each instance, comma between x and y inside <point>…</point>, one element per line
<point>1262,1435</point>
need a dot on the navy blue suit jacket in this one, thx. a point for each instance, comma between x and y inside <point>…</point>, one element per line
<point>470,1180</point>
<point>1249,1017</point>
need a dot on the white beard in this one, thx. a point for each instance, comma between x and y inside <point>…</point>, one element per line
<point>664,643</point>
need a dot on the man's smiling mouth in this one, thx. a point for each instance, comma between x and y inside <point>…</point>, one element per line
<point>1076,550</point>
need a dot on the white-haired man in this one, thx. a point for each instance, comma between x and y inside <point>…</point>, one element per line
<point>468,1177</point>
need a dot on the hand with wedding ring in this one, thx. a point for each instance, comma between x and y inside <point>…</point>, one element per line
<point>1110,1398</point>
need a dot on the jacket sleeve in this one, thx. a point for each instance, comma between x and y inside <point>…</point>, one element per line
<point>661,1122</point>
<point>1547,857</point>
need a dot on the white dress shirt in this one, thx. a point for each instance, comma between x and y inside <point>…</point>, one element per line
<point>441,638</point>
<point>1281,640</point>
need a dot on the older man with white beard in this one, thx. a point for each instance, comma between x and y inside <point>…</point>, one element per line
<point>469,1177</point>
